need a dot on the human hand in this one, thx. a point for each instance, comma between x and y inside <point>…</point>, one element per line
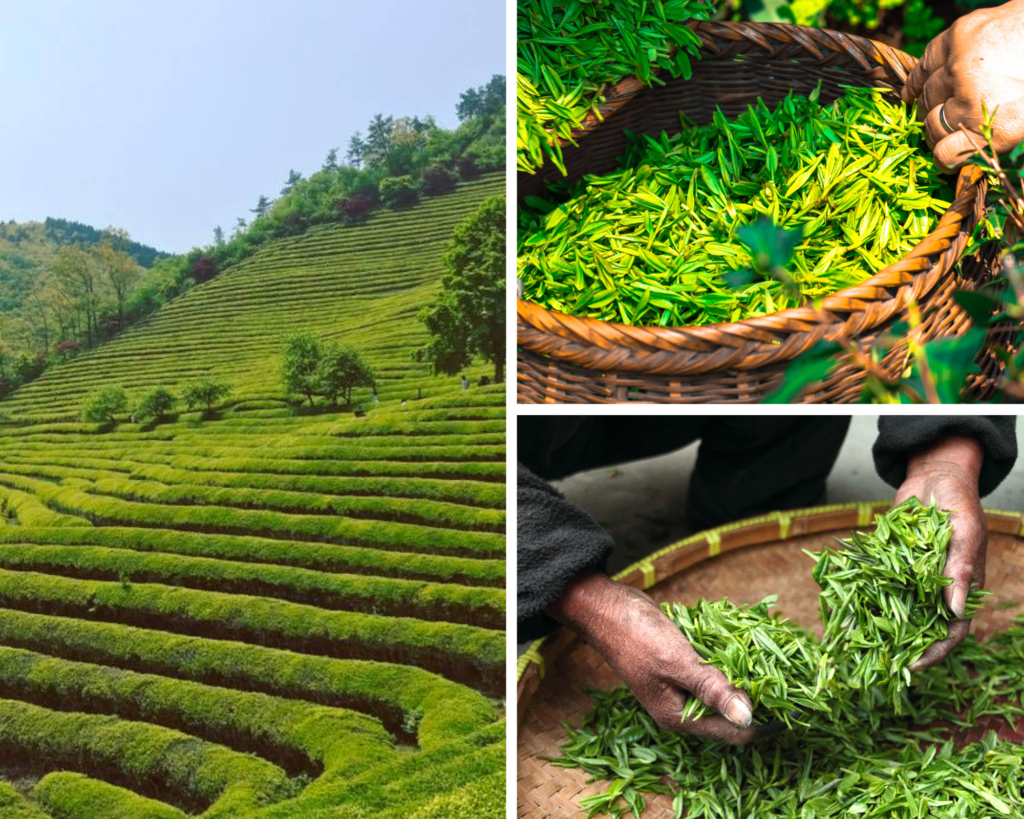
<point>979,59</point>
<point>652,657</point>
<point>949,470</point>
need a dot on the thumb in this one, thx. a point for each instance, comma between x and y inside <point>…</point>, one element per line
<point>711,687</point>
<point>965,558</point>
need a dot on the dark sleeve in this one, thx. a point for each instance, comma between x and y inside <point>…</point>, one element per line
<point>556,540</point>
<point>899,435</point>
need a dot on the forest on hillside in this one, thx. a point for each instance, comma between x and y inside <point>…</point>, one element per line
<point>66,287</point>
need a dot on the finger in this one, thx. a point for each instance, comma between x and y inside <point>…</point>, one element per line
<point>667,711</point>
<point>933,59</point>
<point>936,91</point>
<point>950,151</point>
<point>965,558</point>
<point>719,729</point>
<point>956,631</point>
<point>712,688</point>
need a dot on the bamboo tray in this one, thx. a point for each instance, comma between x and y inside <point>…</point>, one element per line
<point>744,561</point>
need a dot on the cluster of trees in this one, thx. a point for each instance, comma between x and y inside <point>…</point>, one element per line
<point>391,164</point>
<point>316,368</point>
<point>107,405</point>
<point>77,297</point>
<point>468,317</point>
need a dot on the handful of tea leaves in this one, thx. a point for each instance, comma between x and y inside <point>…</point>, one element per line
<point>780,665</point>
<point>567,52</point>
<point>881,597</point>
<point>653,242</point>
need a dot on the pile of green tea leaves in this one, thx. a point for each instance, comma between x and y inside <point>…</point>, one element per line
<point>881,596</point>
<point>568,52</point>
<point>654,242</point>
<point>883,751</point>
<point>892,767</point>
<point>780,665</point>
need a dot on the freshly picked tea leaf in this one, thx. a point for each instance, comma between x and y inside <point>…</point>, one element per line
<point>780,665</point>
<point>881,596</point>
<point>672,238</point>
<point>568,53</point>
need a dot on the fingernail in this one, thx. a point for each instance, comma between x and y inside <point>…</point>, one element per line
<point>738,712</point>
<point>958,600</point>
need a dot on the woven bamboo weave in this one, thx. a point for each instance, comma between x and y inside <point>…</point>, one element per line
<point>564,358</point>
<point>745,562</point>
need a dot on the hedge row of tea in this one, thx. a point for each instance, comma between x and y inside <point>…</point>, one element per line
<point>265,612</point>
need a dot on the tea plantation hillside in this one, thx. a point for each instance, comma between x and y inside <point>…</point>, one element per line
<point>361,285</point>
<point>260,613</point>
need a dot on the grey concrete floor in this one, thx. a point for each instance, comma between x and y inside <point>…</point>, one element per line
<point>642,504</point>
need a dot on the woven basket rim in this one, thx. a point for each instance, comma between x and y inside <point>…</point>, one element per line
<point>892,283</point>
<point>644,572</point>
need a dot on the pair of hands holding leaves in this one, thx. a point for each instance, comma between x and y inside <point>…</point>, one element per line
<point>650,654</point>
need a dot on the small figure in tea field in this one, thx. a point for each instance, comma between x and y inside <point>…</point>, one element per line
<point>746,466</point>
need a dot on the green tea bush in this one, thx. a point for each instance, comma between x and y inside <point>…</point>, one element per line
<point>466,653</point>
<point>449,711</point>
<point>67,795</point>
<point>247,548</point>
<point>172,765</point>
<point>483,607</point>
<point>293,734</point>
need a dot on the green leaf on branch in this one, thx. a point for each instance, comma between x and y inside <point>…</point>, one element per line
<point>806,369</point>
<point>951,360</point>
<point>977,305</point>
<point>770,246</point>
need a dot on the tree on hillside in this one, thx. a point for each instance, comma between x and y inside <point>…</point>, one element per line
<point>487,100</point>
<point>378,141</point>
<point>331,162</point>
<point>302,354</point>
<point>262,206</point>
<point>313,368</point>
<point>356,150</point>
<point>154,406</point>
<point>77,285</point>
<point>240,226</point>
<point>122,274</point>
<point>294,178</point>
<point>204,394</point>
<point>340,371</point>
<point>104,405</point>
<point>218,236</point>
<point>468,317</point>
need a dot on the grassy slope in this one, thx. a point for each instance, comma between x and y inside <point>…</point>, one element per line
<point>263,613</point>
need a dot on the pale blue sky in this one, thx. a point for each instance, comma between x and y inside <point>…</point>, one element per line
<point>167,118</point>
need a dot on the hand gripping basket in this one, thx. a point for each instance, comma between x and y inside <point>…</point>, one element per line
<point>563,358</point>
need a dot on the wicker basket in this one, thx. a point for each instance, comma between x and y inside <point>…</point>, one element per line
<point>755,557</point>
<point>563,358</point>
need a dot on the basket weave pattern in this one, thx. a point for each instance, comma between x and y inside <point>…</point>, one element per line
<point>564,358</point>
<point>552,674</point>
